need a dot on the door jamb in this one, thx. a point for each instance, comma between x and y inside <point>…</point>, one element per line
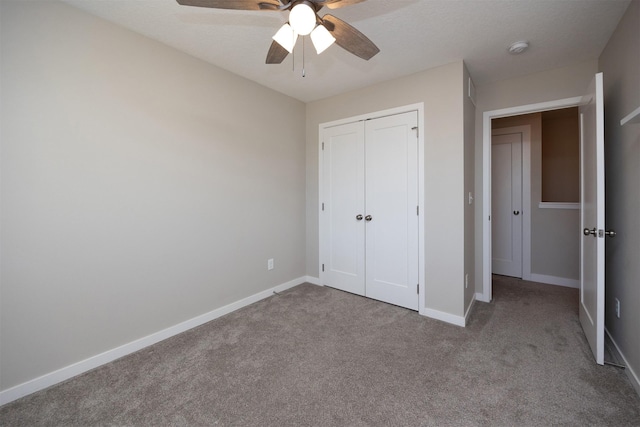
<point>419,108</point>
<point>487,291</point>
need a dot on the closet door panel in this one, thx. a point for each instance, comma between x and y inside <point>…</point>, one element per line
<point>343,176</point>
<point>391,195</point>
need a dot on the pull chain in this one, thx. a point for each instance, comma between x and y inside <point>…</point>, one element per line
<point>303,71</point>
<point>293,54</point>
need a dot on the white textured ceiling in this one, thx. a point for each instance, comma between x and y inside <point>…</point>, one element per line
<point>413,35</point>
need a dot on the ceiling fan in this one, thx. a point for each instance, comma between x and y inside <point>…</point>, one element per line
<point>303,20</point>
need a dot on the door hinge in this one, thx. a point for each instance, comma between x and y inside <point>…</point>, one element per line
<point>323,145</point>
<point>322,267</point>
<point>418,210</point>
<point>417,131</point>
<point>323,206</point>
<point>418,288</point>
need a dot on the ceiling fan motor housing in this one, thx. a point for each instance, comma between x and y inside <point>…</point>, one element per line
<point>303,17</point>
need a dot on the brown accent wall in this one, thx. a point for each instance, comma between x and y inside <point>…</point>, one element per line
<point>560,156</point>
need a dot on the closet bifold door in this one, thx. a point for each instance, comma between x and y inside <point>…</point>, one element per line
<point>391,197</point>
<point>369,219</point>
<point>343,215</point>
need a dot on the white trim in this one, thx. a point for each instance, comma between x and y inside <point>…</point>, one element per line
<point>422,302</point>
<point>313,280</point>
<point>374,115</point>
<point>632,117</point>
<point>558,205</point>
<point>525,131</point>
<point>633,377</point>
<point>472,91</point>
<point>480,297</point>
<point>419,108</point>
<point>468,313</point>
<point>555,280</point>
<point>93,362</point>
<point>486,174</point>
<point>445,317</point>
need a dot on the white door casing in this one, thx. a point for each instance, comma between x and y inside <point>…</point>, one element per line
<point>369,221</point>
<point>506,204</point>
<point>487,116</point>
<point>592,205</point>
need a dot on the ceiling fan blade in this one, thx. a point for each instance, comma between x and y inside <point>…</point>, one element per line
<point>349,38</point>
<point>234,4</point>
<point>335,4</point>
<point>276,53</point>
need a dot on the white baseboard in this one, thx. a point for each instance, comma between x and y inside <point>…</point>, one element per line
<point>93,362</point>
<point>633,377</point>
<point>445,317</point>
<point>554,280</point>
<point>313,280</point>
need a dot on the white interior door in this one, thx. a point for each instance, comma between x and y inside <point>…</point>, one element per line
<point>592,217</point>
<point>343,207</point>
<point>391,152</point>
<point>506,204</point>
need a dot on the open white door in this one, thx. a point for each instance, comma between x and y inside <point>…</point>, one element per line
<point>592,217</point>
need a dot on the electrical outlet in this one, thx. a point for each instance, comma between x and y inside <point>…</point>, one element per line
<point>617,307</point>
<point>466,280</point>
<point>270,264</point>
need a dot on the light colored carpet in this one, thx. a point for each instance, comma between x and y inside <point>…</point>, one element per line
<point>315,356</point>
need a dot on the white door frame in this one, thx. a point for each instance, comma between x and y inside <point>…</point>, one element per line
<point>525,131</point>
<point>419,107</point>
<point>487,116</point>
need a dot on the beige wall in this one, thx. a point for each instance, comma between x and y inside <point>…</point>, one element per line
<point>535,88</point>
<point>555,238</point>
<point>441,90</point>
<point>620,64</point>
<point>140,188</point>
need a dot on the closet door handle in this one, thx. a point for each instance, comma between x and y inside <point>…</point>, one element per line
<point>359,217</point>
<point>516,212</point>
<point>368,218</point>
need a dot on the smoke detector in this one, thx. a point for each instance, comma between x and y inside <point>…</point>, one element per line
<point>518,47</point>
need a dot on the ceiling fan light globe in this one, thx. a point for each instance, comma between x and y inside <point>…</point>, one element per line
<point>286,37</point>
<point>321,38</point>
<point>302,18</point>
